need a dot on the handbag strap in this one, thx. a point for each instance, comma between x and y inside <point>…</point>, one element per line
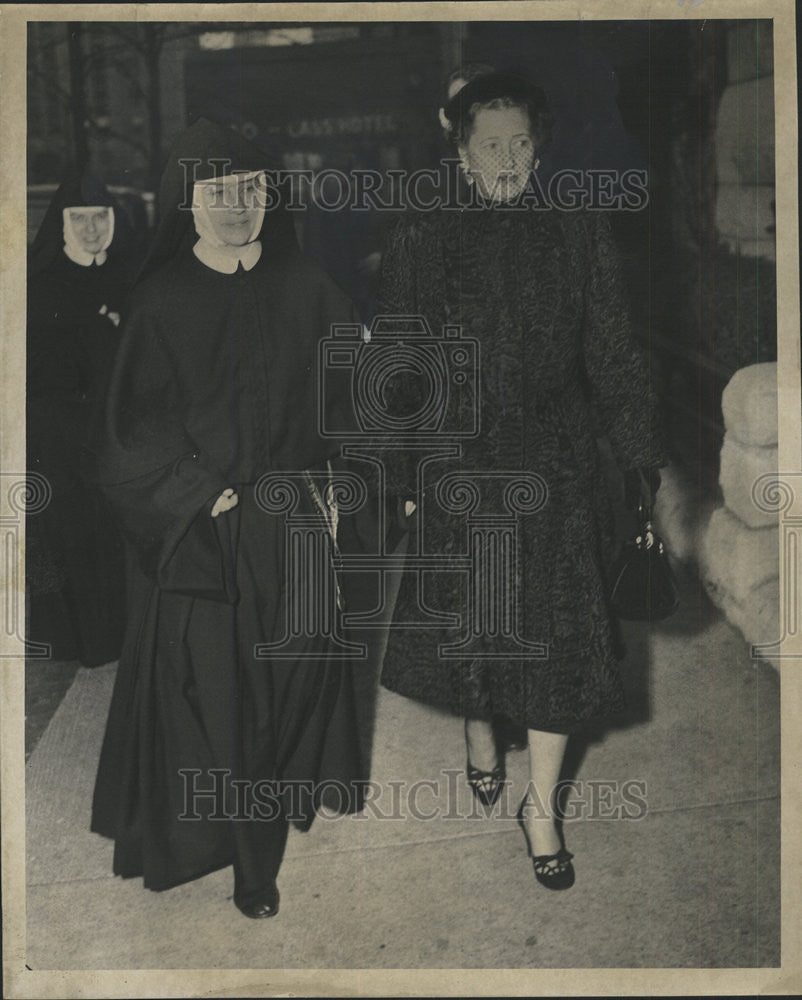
<point>645,514</point>
<point>644,508</point>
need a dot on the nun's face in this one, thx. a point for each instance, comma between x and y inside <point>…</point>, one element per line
<point>499,152</point>
<point>234,206</point>
<point>91,226</point>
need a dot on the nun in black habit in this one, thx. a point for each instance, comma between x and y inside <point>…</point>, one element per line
<point>78,280</point>
<point>214,386</point>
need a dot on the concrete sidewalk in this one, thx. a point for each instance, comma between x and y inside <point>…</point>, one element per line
<point>424,880</point>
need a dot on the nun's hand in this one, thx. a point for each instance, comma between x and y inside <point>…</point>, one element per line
<point>226,500</point>
<point>113,316</point>
<point>409,508</point>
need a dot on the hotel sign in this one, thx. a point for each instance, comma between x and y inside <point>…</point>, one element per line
<point>313,128</point>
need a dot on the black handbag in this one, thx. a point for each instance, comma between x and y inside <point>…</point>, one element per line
<point>644,588</point>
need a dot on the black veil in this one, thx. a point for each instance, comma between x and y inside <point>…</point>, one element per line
<point>207,150</point>
<point>78,189</point>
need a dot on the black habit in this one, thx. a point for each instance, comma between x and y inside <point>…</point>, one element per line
<point>74,552</point>
<point>215,385</point>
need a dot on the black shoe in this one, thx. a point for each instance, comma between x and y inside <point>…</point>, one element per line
<point>486,785</point>
<point>555,871</point>
<point>261,905</point>
<point>509,735</point>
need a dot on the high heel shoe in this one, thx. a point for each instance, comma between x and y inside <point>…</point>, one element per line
<point>554,871</point>
<point>265,904</point>
<point>486,785</point>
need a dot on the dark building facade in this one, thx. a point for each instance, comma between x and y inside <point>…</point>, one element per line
<point>364,96</point>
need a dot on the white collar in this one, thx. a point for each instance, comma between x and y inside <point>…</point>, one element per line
<point>226,261</point>
<point>210,249</point>
<point>74,248</point>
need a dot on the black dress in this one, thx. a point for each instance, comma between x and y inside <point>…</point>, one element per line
<point>540,291</point>
<point>215,386</point>
<point>74,553</point>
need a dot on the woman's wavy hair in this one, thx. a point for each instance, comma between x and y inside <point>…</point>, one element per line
<point>497,90</point>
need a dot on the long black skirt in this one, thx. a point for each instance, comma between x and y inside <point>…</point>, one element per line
<point>196,707</point>
<point>75,578</point>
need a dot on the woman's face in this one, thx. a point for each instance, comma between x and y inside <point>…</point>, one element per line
<point>500,152</point>
<point>234,205</point>
<point>91,226</point>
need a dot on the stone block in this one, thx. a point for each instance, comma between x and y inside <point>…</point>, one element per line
<point>745,214</point>
<point>745,133</point>
<point>764,249</point>
<point>758,618</point>
<point>749,405</point>
<point>681,513</point>
<point>741,466</point>
<point>750,49</point>
<point>737,559</point>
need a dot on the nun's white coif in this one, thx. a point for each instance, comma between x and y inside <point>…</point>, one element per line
<point>211,249</point>
<point>73,244</point>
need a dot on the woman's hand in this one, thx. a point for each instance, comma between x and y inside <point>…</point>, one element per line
<point>226,500</point>
<point>409,508</point>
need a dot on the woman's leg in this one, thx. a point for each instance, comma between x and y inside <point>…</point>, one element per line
<point>546,752</point>
<point>480,744</point>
